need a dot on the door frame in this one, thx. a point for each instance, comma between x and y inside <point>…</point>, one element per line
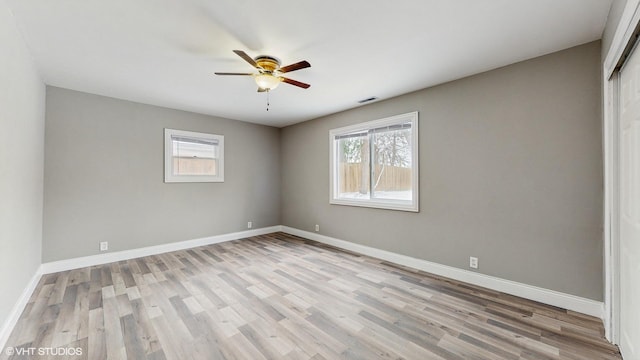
<point>624,38</point>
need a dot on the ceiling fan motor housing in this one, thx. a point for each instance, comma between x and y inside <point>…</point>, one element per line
<point>267,63</point>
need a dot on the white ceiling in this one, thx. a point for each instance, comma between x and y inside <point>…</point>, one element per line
<point>164,52</point>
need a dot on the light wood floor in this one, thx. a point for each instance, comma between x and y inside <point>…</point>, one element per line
<point>278,296</point>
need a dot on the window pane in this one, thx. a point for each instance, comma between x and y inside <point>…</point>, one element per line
<point>375,164</point>
<point>392,173</point>
<point>194,157</point>
<point>353,166</point>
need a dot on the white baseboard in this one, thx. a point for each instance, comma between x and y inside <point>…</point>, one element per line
<point>545,296</point>
<point>69,264</point>
<point>18,308</point>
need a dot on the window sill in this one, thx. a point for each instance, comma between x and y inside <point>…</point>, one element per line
<point>376,204</point>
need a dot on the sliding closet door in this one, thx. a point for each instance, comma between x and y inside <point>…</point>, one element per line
<point>629,150</point>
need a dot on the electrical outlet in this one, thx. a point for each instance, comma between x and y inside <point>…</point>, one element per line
<point>317,227</point>
<point>104,245</point>
<point>473,262</point>
<point>249,225</point>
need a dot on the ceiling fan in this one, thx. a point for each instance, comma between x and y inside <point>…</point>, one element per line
<point>269,72</point>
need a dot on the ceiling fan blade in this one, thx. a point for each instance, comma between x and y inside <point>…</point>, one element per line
<point>230,73</point>
<point>295,83</point>
<point>246,58</point>
<point>293,67</point>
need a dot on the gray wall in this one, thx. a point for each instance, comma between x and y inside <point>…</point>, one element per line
<point>104,177</point>
<point>510,172</point>
<point>21,163</point>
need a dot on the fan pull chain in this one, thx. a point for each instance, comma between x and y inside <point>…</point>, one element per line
<point>267,99</point>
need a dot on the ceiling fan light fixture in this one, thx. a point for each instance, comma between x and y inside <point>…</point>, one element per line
<point>267,81</point>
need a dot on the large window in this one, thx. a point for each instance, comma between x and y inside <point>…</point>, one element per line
<point>193,157</point>
<point>375,164</point>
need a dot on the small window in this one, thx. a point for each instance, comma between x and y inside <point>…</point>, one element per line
<point>375,164</point>
<point>193,157</point>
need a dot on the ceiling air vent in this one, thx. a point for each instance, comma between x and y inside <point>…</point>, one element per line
<point>363,101</point>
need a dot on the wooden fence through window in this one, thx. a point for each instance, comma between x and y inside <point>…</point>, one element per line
<point>393,178</point>
<point>194,166</point>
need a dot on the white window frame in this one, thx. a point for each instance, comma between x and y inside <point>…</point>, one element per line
<point>390,204</point>
<point>169,177</point>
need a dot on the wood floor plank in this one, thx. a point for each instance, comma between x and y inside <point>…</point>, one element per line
<point>114,338</point>
<point>279,296</point>
<point>146,332</point>
<point>97,347</point>
<point>173,347</point>
<point>133,342</point>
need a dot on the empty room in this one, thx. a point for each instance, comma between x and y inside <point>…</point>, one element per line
<point>320,180</point>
